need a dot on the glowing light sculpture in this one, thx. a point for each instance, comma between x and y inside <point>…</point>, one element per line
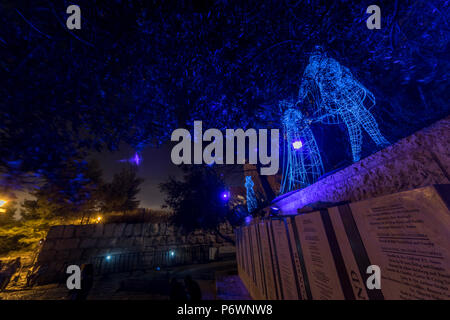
<point>302,162</point>
<point>136,159</point>
<point>251,197</point>
<point>338,97</point>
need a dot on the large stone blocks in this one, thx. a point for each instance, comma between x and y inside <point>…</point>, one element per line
<point>55,232</point>
<point>84,231</point>
<point>119,229</point>
<point>69,231</point>
<point>77,244</point>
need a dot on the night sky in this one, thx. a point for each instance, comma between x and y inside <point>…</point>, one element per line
<point>155,167</point>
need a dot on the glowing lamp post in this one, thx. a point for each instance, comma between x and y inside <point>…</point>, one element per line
<point>2,202</point>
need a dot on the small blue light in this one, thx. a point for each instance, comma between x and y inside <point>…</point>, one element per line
<point>172,253</point>
<point>108,258</point>
<point>275,208</point>
<point>158,268</point>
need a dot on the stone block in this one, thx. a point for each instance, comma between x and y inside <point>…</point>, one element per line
<point>89,253</point>
<point>171,240</point>
<point>119,229</point>
<point>55,232</point>
<point>147,229</point>
<point>137,229</point>
<point>154,229</point>
<point>106,242</point>
<point>125,242</point>
<point>69,231</point>
<point>128,231</point>
<point>98,230</point>
<point>88,243</point>
<point>62,255</point>
<point>49,244</point>
<point>108,230</point>
<point>66,244</point>
<point>46,255</point>
<point>138,242</point>
<point>75,255</point>
<point>84,231</point>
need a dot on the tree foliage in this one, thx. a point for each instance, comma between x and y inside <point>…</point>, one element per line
<point>197,200</point>
<point>138,69</point>
<point>120,194</point>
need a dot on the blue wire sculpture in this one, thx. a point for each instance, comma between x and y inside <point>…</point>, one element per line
<point>338,97</point>
<point>251,197</point>
<point>303,163</point>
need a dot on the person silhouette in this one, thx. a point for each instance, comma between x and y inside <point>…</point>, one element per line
<point>177,291</point>
<point>193,289</point>
<point>339,97</point>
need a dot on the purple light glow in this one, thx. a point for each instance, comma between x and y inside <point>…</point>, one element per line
<point>136,159</point>
<point>225,195</point>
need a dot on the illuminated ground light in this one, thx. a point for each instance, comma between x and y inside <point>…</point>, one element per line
<point>172,253</point>
<point>99,219</point>
<point>297,144</point>
<point>108,258</point>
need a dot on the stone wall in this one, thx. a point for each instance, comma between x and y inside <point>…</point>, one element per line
<point>325,254</point>
<point>77,244</point>
<point>419,160</point>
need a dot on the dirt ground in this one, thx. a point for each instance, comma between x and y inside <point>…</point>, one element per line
<point>217,280</point>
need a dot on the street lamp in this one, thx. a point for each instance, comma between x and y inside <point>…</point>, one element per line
<point>2,202</point>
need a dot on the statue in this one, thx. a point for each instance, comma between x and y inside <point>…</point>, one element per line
<point>251,197</point>
<point>339,97</point>
<point>303,163</point>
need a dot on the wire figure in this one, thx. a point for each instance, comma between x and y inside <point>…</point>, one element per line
<point>303,163</point>
<point>251,197</point>
<point>339,97</point>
